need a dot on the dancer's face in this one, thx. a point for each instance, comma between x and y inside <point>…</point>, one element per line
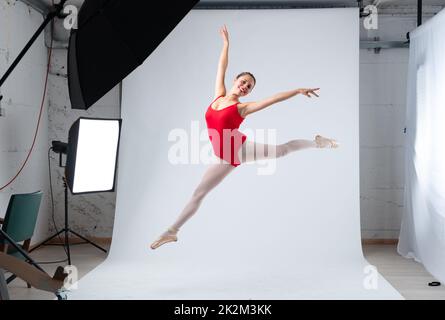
<point>243,85</point>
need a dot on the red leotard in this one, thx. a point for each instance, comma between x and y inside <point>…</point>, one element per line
<point>223,131</point>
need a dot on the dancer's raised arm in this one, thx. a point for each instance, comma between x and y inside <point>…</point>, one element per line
<point>251,107</point>
<point>220,88</point>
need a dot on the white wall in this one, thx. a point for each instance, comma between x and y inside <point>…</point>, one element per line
<point>383,79</point>
<point>22,98</point>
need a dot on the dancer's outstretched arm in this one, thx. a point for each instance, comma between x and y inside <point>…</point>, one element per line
<point>220,88</point>
<point>251,107</point>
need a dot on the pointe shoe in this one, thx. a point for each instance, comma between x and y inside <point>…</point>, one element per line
<point>163,239</point>
<point>323,142</point>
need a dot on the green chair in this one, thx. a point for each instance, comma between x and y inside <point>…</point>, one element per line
<point>19,222</point>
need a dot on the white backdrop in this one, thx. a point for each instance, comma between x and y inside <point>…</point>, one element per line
<point>422,235</point>
<point>294,234</point>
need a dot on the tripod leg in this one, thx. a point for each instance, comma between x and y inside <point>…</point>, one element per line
<point>90,242</point>
<point>45,241</point>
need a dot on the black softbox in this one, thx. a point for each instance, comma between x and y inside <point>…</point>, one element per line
<point>113,38</point>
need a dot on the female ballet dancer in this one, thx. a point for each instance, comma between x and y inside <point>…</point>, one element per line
<point>226,113</point>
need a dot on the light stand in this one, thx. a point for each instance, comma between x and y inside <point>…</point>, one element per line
<point>50,16</point>
<point>60,147</point>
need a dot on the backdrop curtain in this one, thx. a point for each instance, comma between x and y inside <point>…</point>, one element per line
<point>422,234</point>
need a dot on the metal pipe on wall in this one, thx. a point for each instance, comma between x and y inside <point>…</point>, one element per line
<point>419,12</point>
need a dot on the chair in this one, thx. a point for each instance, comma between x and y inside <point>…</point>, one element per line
<point>19,222</point>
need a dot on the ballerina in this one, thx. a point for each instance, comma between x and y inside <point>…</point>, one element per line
<point>223,117</point>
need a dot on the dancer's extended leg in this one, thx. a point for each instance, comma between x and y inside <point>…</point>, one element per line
<point>214,174</point>
<point>253,151</point>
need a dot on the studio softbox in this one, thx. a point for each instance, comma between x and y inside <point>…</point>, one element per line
<point>113,38</point>
<point>92,153</point>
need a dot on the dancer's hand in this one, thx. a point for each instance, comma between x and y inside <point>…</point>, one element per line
<point>308,92</point>
<point>225,34</point>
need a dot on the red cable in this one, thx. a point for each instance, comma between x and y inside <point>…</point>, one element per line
<point>41,109</point>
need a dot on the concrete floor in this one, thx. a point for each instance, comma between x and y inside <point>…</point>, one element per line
<point>407,276</point>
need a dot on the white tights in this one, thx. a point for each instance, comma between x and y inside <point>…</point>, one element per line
<point>215,173</point>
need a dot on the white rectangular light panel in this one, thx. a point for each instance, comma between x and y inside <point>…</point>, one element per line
<point>96,155</point>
